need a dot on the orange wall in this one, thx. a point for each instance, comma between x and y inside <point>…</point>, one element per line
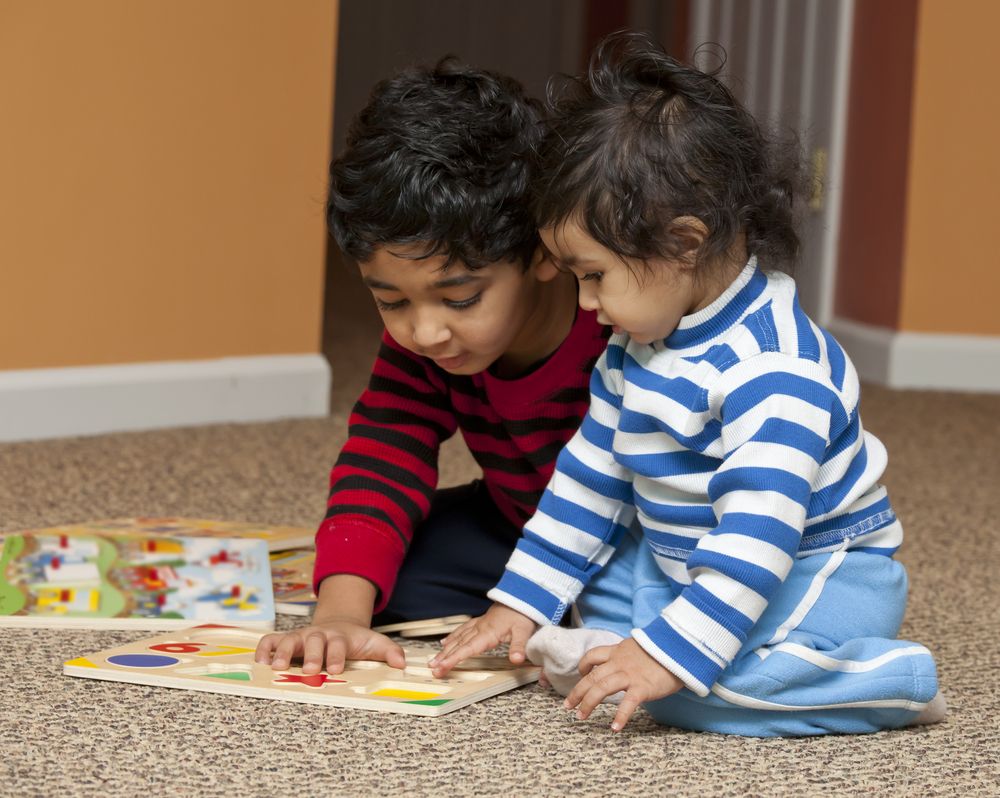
<point>163,174</point>
<point>951,271</point>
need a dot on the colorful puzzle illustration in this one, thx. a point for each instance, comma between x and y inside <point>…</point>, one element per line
<point>292,573</point>
<point>219,659</point>
<point>278,538</point>
<point>130,582</point>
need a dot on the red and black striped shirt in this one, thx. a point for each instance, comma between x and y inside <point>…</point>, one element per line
<point>383,481</point>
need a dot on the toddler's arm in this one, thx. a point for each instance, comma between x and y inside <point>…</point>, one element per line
<point>498,625</point>
<point>339,631</point>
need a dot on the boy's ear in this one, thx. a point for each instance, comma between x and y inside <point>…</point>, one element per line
<point>692,232</point>
<point>542,265</point>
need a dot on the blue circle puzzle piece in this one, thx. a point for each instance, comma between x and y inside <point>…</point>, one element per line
<point>142,660</point>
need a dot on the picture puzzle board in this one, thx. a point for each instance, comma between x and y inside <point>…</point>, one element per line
<point>219,659</point>
<point>292,573</point>
<point>131,582</point>
<point>278,538</point>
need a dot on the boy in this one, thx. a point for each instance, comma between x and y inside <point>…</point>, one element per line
<point>482,335</point>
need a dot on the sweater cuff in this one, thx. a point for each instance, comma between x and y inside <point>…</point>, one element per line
<point>528,598</point>
<point>693,664</point>
<point>361,550</point>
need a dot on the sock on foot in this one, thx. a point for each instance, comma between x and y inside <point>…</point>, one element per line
<point>934,712</point>
<point>559,650</point>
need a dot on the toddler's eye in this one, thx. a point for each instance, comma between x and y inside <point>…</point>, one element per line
<point>382,305</point>
<point>592,276</point>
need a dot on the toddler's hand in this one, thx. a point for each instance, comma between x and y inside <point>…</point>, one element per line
<point>499,624</point>
<point>330,643</point>
<point>607,670</point>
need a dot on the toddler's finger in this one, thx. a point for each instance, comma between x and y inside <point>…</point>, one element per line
<point>442,664</point>
<point>626,708</point>
<point>593,658</point>
<point>598,691</point>
<point>455,641</point>
<point>518,640</point>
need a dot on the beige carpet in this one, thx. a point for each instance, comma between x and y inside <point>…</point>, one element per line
<point>62,736</point>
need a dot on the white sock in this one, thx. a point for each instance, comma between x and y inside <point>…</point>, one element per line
<point>934,712</point>
<point>559,651</point>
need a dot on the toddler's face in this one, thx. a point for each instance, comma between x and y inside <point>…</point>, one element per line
<point>462,320</point>
<point>647,303</point>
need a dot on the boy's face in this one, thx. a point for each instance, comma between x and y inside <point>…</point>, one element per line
<point>462,320</point>
<point>645,300</point>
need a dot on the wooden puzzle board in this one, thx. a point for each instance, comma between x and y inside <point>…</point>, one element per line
<point>278,538</point>
<point>219,659</point>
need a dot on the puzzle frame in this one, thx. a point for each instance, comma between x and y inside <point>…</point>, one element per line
<point>219,659</point>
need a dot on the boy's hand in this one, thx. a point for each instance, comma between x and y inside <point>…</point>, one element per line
<point>329,643</point>
<point>607,670</point>
<point>498,625</point>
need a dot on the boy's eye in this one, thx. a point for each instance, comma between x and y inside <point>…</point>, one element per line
<point>593,276</point>
<point>462,304</point>
<point>383,305</point>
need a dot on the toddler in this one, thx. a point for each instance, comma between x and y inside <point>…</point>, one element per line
<point>717,521</point>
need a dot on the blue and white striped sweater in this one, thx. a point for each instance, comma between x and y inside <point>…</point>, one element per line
<point>736,444</point>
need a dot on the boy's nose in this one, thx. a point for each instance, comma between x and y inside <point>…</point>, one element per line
<point>428,332</point>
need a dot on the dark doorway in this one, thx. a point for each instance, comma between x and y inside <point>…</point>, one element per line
<point>528,39</point>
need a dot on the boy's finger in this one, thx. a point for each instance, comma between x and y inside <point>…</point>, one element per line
<point>628,705</point>
<point>284,651</point>
<point>312,653</point>
<point>264,648</point>
<point>395,656</point>
<point>336,655</point>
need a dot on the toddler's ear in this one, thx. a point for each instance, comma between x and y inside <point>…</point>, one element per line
<point>691,231</point>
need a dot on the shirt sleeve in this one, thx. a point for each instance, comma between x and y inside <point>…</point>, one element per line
<point>585,509</point>
<point>778,415</point>
<point>386,474</point>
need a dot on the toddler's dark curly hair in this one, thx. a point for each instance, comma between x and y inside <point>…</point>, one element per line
<point>641,140</point>
<point>441,157</point>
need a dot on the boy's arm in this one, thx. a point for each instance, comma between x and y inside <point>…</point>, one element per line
<point>385,476</point>
<point>583,513</point>
<point>778,415</point>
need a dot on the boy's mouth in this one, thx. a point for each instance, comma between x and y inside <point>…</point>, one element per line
<point>448,363</point>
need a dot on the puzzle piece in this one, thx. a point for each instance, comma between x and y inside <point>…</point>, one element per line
<point>219,659</point>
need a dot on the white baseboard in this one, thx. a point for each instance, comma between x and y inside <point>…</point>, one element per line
<point>91,400</point>
<point>921,360</point>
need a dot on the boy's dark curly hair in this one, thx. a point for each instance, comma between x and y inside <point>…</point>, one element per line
<point>642,139</point>
<point>440,156</point>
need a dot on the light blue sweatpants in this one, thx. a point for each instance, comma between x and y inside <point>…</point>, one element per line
<point>822,658</point>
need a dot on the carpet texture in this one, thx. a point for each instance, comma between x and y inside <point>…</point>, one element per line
<point>64,736</point>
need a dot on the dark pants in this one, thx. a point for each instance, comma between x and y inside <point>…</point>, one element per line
<point>457,554</point>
